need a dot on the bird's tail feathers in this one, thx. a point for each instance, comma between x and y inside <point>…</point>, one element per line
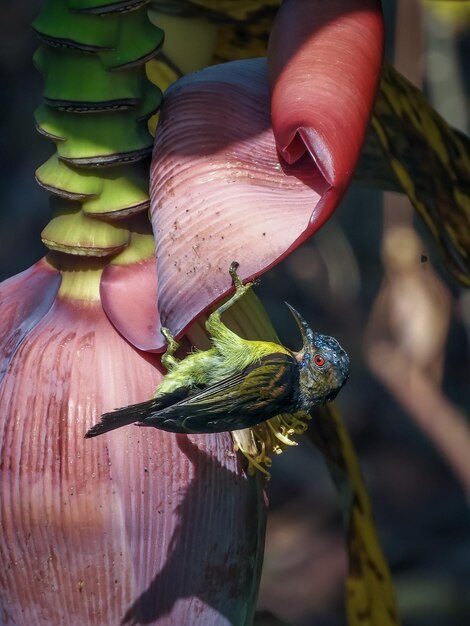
<point>123,417</point>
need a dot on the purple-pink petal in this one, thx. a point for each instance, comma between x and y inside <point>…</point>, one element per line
<point>129,298</point>
<point>220,192</point>
<point>24,300</point>
<point>135,527</point>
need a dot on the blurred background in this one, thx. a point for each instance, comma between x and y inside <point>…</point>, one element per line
<point>373,278</point>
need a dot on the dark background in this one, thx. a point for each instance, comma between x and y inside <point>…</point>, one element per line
<point>337,280</point>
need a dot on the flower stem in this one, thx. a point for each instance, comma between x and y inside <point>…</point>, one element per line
<point>96,103</point>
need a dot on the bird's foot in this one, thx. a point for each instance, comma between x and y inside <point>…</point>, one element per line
<point>168,360</point>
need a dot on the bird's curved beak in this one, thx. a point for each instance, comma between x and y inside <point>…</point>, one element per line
<point>305,330</point>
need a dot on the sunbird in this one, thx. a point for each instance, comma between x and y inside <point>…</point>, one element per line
<point>236,383</point>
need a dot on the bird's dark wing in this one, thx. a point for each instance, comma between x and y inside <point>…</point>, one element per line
<point>259,392</point>
<point>136,412</point>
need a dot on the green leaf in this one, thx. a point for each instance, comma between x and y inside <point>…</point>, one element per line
<point>431,162</point>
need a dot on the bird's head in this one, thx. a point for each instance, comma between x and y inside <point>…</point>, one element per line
<point>324,365</point>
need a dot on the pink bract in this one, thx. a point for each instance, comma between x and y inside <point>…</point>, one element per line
<point>237,176</point>
<point>138,526</point>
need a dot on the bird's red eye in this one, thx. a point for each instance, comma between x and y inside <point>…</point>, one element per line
<point>319,360</point>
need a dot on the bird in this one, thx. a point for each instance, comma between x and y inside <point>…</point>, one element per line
<point>236,383</point>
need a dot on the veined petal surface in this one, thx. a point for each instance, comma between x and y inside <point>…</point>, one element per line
<point>24,300</point>
<point>219,191</point>
<point>247,168</point>
<point>136,527</point>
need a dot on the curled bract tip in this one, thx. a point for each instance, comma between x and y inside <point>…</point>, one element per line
<point>249,167</point>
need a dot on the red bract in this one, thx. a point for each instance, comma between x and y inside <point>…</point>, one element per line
<point>220,189</point>
<point>324,63</point>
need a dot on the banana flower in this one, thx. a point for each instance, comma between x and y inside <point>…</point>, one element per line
<point>147,527</point>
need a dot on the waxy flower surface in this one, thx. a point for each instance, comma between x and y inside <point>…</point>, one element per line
<point>141,526</point>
